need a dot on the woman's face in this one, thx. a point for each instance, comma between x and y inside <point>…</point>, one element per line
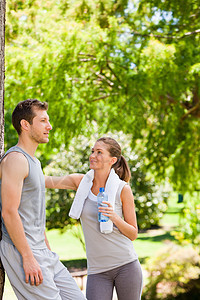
<point>100,157</point>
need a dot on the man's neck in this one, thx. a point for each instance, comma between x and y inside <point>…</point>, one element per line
<point>27,146</point>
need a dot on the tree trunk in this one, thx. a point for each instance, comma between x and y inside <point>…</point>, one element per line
<point>2,75</point>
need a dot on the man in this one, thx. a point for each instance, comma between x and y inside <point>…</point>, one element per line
<point>34,271</point>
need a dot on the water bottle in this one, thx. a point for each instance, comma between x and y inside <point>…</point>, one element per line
<point>102,196</point>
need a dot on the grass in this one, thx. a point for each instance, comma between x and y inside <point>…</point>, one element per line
<point>147,244</point>
<point>66,245</point>
<point>150,241</point>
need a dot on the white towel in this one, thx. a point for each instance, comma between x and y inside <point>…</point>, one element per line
<point>81,194</point>
<point>85,185</point>
<point>111,188</point>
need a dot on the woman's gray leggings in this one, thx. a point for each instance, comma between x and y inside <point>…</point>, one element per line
<point>127,280</point>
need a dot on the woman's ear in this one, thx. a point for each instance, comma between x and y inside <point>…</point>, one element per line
<point>114,160</point>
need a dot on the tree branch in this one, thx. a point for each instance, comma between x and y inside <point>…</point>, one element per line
<point>189,33</point>
<point>102,77</point>
<point>109,67</point>
<point>87,59</point>
<point>190,111</point>
<point>104,97</point>
<point>84,54</point>
<point>167,36</point>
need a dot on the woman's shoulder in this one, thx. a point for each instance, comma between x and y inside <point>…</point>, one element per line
<point>122,185</point>
<point>126,188</point>
<point>126,193</point>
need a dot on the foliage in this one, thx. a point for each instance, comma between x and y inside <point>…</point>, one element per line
<point>189,231</point>
<point>149,198</point>
<point>78,233</point>
<point>174,274</point>
<point>129,65</point>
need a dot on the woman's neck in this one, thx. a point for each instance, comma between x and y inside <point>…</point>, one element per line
<point>100,178</point>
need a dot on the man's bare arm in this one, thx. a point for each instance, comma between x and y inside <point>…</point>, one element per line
<point>70,182</point>
<point>46,241</point>
<point>14,171</point>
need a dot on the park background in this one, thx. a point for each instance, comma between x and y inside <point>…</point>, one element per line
<point>130,70</point>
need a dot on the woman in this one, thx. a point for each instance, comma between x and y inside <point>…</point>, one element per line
<point>111,258</point>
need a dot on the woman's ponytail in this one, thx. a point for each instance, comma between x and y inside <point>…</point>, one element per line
<point>122,169</point>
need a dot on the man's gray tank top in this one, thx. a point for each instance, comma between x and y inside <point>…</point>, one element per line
<point>104,251</point>
<point>32,203</point>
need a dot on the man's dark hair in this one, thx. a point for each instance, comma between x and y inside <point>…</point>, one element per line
<point>25,110</point>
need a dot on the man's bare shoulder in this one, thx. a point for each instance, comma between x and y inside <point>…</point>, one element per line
<point>14,162</point>
<point>14,157</point>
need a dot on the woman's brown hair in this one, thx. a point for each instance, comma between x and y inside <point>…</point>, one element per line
<point>121,166</point>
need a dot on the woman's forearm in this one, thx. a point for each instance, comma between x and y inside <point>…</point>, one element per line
<point>128,230</point>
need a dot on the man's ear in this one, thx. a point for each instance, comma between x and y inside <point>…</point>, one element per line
<point>24,124</point>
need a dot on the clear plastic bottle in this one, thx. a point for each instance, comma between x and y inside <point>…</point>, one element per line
<point>102,196</point>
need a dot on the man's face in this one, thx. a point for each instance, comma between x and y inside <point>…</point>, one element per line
<point>40,127</point>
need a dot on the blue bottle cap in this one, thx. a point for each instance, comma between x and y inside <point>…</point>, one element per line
<point>101,189</point>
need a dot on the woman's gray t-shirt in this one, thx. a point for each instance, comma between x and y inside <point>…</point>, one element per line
<point>104,251</point>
